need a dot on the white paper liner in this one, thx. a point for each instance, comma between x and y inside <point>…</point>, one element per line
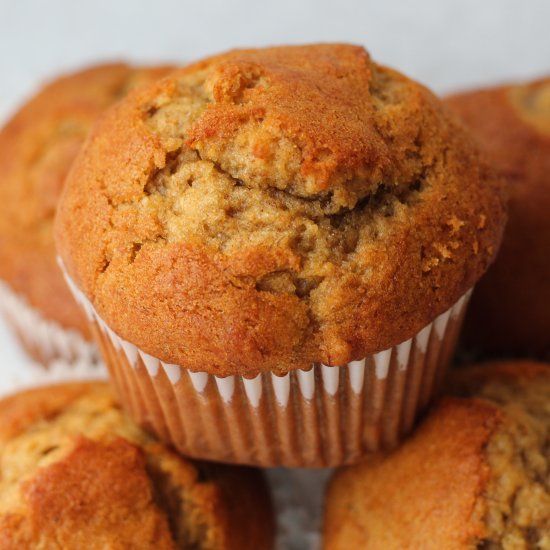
<point>323,416</point>
<point>45,340</point>
<point>253,387</point>
<point>297,494</point>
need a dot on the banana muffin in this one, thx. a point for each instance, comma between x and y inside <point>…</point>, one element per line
<point>269,236</point>
<point>474,475</point>
<point>76,473</point>
<point>37,148</point>
<point>510,313</point>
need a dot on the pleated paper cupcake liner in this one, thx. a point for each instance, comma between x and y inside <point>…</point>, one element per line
<point>43,339</point>
<point>322,416</point>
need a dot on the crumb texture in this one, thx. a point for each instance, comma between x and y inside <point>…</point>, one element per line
<point>77,473</point>
<point>278,207</point>
<point>423,496</point>
<point>518,492</point>
<point>475,475</point>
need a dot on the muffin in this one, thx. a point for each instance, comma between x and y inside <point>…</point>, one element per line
<point>37,148</point>
<point>274,248</point>
<point>77,473</point>
<point>474,475</point>
<point>510,313</point>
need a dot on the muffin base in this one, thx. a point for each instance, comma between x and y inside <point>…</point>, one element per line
<point>44,340</point>
<point>323,416</point>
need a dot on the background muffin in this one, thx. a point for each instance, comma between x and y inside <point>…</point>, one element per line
<point>264,211</point>
<point>510,312</point>
<point>77,473</point>
<point>37,148</point>
<point>474,475</point>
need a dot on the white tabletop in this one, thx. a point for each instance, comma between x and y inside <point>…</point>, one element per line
<point>445,43</point>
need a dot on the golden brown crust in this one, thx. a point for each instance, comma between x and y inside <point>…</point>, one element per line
<point>98,496</point>
<point>266,209</point>
<point>37,148</point>
<point>472,476</point>
<point>422,496</point>
<point>509,310</point>
<point>75,472</point>
<point>319,112</point>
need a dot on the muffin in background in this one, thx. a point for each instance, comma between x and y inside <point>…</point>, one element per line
<point>473,475</point>
<point>37,147</point>
<point>510,310</point>
<point>275,248</point>
<point>76,473</point>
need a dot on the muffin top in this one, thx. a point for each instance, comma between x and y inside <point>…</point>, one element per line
<point>474,474</point>
<point>508,313</point>
<point>75,472</point>
<point>268,209</point>
<point>37,148</point>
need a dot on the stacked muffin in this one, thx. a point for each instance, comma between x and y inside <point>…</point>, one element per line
<point>474,475</point>
<point>274,250</point>
<point>77,473</point>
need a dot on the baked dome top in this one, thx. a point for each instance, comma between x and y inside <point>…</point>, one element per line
<point>266,209</point>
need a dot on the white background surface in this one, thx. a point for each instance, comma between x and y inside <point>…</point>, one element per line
<point>444,43</point>
<point>447,44</point>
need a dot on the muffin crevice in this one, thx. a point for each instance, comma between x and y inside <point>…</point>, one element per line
<point>270,199</point>
<point>518,491</point>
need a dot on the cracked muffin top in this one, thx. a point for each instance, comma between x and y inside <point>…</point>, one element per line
<point>268,209</point>
<point>509,312</point>
<point>75,473</point>
<point>37,148</point>
<point>473,476</point>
